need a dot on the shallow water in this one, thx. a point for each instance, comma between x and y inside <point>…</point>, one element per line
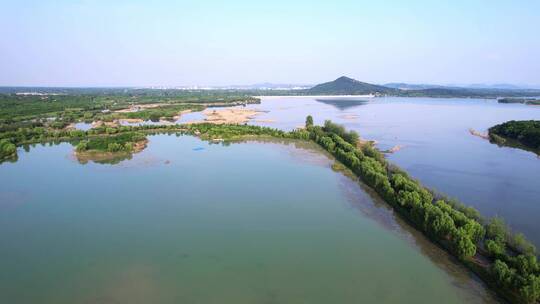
<point>84,126</point>
<point>437,146</point>
<point>188,222</point>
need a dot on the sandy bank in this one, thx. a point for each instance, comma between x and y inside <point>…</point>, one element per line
<point>136,108</point>
<point>99,123</point>
<point>479,134</point>
<point>228,116</point>
<point>394,149</point>
<point>130,120</point>
<point>351,117</point>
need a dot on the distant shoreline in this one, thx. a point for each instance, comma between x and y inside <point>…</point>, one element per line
<point>314,96</point>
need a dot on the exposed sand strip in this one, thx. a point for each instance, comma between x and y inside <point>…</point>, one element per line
<point>351,117</point>
<point>130,120</point>
<point>479,134</point>
<point>394,149</point>
<point>228,116</point>
<point>138,107</point>
<point>99,123</point>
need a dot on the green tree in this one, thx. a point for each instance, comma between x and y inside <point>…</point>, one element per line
<point>496,229</point>
<point>114,147</point>
<point>442,225</point>
<point>463,245</point>
<point>309,121</point>
<point>7,148</point>
<point>502,273</point>
<point>82,146</point>
<point>522,244</point>
<point>475,231</point>
<point>526,264</point>
<point>495,248</point>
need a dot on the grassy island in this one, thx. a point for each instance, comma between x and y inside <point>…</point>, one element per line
<point>111,148</point>
<point>521,134</point>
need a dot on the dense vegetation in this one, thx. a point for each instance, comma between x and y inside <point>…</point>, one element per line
<point>525,132</point>
<point>123,142</point>
<point>65,109</point>
<point>7,149</point>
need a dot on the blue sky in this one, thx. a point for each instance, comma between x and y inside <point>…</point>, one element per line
<point>140,43</point>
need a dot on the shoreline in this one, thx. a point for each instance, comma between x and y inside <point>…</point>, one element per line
<point>315,96</point>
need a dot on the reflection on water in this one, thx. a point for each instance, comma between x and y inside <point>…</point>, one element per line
<point>342,103</point>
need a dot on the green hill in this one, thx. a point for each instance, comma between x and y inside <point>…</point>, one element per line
<point>348,86</point>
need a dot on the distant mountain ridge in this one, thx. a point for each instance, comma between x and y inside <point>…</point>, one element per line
<point>348,86</point>
<point>498,86</point>
<point>408,86</point>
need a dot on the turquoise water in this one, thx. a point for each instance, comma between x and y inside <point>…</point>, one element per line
<point>188,222</point>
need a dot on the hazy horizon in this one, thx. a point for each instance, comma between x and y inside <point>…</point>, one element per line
<point>209,43</point>
<point>239,85</point>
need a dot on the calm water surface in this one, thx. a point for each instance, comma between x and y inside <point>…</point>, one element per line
<point>188,222</point>
<point>437,146</point>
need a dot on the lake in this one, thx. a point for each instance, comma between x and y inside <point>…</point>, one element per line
<point>188,222</point>
<point>437,147</point>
